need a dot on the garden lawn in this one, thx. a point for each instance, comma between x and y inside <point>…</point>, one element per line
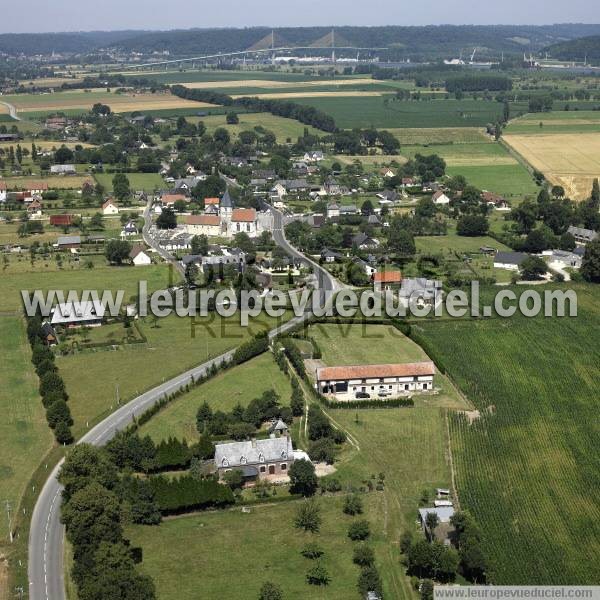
<point>237,385</point>
<point>24,434</point>
<point>147,182</point>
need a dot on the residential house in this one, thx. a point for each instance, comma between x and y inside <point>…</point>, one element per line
<point>256,459</point>
<point>110,207</point>
<point>387,172</point>
<point>68,242</point>
<point>63,169</point>
<point>373,219</point>
<point>34,208</point>
<point>168,200</point>
<point>191,259</point>
<point>129,229</point>
<point>139,257</point>
<point>36,188</point>
<point>408,182</point>
<point>496,201</point>
<point>387,197</point>
<point>444,530</point>
<point>387,280</point>
<point>348,209</point>
<point>3,191</point>
<point>440,199</point>
<point>313,156</point>
<point>330,256</point>
<point>368,269</point>
<point>364,242</point>
<point>509,260</point>
<point>375,381</point>
<point>333,210</point>
<point>562,259</point>
<point>582,236</point>
<point>61,220</point>
<point>420,291</point>
<point>77,314</point>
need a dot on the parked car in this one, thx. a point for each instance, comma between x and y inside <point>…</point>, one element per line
<point>383,393</point>
<point>362,395</point>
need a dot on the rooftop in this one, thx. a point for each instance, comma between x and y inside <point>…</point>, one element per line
<point>237,454</point>
<point>376,371</point>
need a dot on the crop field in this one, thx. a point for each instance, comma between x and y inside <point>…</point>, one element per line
<point>570,160</point>
<point>459,155</point>
<point>311,94</point>
<point>528,468</point>
<point>384,111</point>
<point>283,128</point>
<point>573,121</point>
<point>24,434</point>
<point>281,84</point>
<point>137,181</point>
<point>185,77</point>
<point>238,385</point>
<point>44,144</point>
<point>424,136</point>
<point>82,100</point>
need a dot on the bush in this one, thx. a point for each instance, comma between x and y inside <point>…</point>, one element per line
<point>308,516</point>
<point>312,551</point>
<point>363,555</point>
<point>318,575</point>
<point>322,450</point>
<point>234,479</point>
<point>270,591</point>
<point>369,580</point>
<point>303,479</point>
<point>359,530</point>
<point>353,505</point>
<point>331,485</point>
<point>257,345</point>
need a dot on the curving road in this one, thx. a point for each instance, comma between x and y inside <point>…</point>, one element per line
<point>11,110</point>
<point>46,535</point>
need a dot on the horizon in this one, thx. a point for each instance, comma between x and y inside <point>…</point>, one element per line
<point>64,16</point>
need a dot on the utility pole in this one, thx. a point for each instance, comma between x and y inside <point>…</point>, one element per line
<point>117,395</point>
<point>8,508</point>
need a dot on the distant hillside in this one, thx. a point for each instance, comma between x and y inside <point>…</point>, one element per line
<point>577,49</point>
<point>413,42</point>
<point>441,41</point>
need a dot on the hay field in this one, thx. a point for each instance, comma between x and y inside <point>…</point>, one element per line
<point>56,182</point>
<point>570,160</point>
<point>49,81</point>
<point>4,109</point>
<point>81,100</point>
<point>267,84</point>
<point>308,94</point>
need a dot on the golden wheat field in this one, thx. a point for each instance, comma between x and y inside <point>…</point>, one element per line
<point>268,84</point>
<point>571,160</point>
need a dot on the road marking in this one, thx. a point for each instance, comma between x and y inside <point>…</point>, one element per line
<point>46,543</point>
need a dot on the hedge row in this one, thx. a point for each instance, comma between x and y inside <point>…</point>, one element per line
<point>183,494</point>
<point>52,387</point>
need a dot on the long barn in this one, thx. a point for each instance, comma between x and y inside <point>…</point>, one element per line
<point>375,381</point>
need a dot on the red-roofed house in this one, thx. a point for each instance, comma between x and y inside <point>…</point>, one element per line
<point>36,187</point>
<point>243,220</point>
<point>375,381</point>
<point>386,280</point>
<point>211,201</point>
<point>110,207</point>
<point>61,220</point>
<point>203,225</point>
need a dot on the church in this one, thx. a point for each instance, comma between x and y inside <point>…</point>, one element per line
<point>222,219</point>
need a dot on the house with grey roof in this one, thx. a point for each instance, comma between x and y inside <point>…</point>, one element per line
<point>582,235</point>
<point>509,260</point>
<point>420,291</point>
<point>257,459</point>
<point>77,314</point>
<point>444,529</point>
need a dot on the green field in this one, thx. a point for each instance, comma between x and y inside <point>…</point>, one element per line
<point>213,75</point>
<point>174,346</point>
<point>283,128</point>
<point>439,135</point>
<point>383,111</point>
<point>100,278</point>
<point>572,121</point>
<point>474,154</point>
<point>511,181</point>
<point>444,244</point>
<point>528,469</point>
<point>238,385</point>
<point>24,435</point>
<point>137,181</point>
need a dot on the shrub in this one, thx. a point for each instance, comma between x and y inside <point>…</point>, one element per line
<point>318,575</point>
<point>303,479</point>
<point>331,485</point>
<point>359,530</point>
<point>363,555</point>
<point>308,516</point>
<point>312,551</point>
<point>369,580</point>
<point>322,450</point>
<point>353,505</point>
<point>270,591</point>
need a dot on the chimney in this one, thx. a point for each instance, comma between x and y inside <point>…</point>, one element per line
<point>253,442</point>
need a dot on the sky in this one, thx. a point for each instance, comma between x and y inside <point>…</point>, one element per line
<point>85,15</point>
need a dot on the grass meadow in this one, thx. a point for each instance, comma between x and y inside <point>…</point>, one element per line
<point>24,435</point>
<point>528,469</point>
<point>238,385</point>
<point>147,182</point>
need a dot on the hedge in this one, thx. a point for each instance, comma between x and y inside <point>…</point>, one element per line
<point>183,494</point>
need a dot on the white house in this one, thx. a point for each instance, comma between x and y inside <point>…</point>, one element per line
<point>63,169</point>
<point>440,199</point>
<point>139,257</point>
<point>333,210</point>
<point>110,207</point>
<point>314,156</point>
<point>375,381</point>
<point>2,191</point>
<point>76,314</point>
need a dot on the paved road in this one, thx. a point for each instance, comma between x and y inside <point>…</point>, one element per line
<point>46,536</point>
<point>12,110</point>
